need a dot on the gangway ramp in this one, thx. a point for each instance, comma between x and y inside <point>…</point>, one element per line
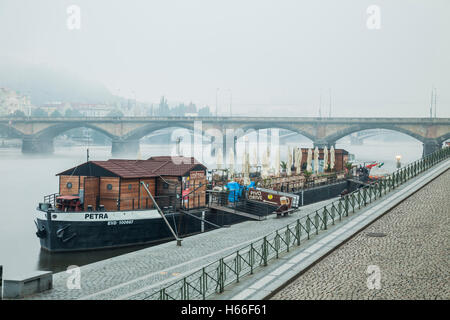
<point>234,211</point>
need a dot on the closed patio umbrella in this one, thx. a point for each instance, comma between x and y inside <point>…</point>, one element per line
<point>277,162</point>
<point>289,162</point>
<point>231,163</point>
<point>332,158</point>
<point>316,160</point>
<point>219,158</point>
<point>265,165</point>
<point>298,160</point>
<point>309,161</point>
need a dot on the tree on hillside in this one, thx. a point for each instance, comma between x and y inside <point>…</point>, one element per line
<point>39,113</point>
<point>18,114</point>
<point>72,113</point>
<point>163,109</point>
<point>115,113</point>
<point>56,114</point>
<point>191,108</point>
<point>204,112</point>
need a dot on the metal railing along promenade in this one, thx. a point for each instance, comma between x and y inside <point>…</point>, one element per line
<point>214,277</point>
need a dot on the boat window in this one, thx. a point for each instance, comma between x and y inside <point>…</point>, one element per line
<point>69,185</point>
<point>109,186</point>
<point>130,187</point>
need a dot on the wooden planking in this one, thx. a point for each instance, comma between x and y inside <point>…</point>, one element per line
<point>64,190</point>
<point>197,199</point>
<point>173,183</point>
<point>196,181</point>
<point>129,194</point>
<point>172,188</point>
<point>91,185</point>
<point>145,200</point>
<point>109,198</point>
<point>82,182</point>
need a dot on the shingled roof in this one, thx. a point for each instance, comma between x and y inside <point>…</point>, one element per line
<point>152,167</point>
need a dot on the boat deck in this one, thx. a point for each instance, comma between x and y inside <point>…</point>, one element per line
<point>135,275</point>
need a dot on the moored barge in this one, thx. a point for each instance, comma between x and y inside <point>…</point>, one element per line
<point>114,203</point>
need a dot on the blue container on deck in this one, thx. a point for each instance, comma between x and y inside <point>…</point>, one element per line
<point>235,191</point>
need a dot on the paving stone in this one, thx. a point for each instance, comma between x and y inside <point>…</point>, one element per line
<point>413,257</point>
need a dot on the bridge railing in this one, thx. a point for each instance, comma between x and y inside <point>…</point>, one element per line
<point>214,277</point>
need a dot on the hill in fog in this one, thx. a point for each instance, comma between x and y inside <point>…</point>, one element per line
<point>44,84</point>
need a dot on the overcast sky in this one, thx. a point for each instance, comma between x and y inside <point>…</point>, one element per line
<point>275,57</point>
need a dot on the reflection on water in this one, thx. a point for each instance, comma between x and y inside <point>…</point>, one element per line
<point>24,180</point>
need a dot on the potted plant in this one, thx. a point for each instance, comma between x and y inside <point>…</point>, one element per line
<point>283,166</point>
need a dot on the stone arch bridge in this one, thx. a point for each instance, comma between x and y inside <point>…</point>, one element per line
<point>125,132</point>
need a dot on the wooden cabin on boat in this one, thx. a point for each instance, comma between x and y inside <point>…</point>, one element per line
<point>116,184</point>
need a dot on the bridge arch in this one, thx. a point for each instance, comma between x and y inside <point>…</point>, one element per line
<point>11,131</point>
<point>280,126</point>
<point>357,128</point>
<point>444,138</point>
<point>58,129</point>
<point>145,130</point>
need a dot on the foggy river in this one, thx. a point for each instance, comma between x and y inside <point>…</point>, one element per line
<point>24,180</point>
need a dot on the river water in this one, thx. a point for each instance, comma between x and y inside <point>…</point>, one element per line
<point>24,180</point>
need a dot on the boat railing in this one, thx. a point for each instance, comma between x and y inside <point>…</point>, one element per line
<point>238,201</point>
<point>298,183</point>
<point>170,202</point>
<point>51,198</point>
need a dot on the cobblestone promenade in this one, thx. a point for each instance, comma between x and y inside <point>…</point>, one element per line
<point>135,275</point>
<point>412,257</point>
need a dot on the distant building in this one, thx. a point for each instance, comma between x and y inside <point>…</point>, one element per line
<point>92,109</point>
<point>53,106</point>
<point>11,101</point>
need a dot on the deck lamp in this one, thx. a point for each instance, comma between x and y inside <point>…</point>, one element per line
<point>398,158</point>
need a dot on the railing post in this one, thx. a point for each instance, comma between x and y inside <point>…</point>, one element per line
<point>204,285</point>
<point>353,200</point>
<point>221,276</point>
<point>316,222</point>
<point>308,225</point>
<point>264,253</point>
<point>359,198</point>
<point>333,212</point>
<point>251,258</point>
<point>298,232</point>
<point>236,266</point>
<point>288,238</point>
<point>1,282</point>
<point>277,243</point>
<point>346,205</point>
<point>184,294</point>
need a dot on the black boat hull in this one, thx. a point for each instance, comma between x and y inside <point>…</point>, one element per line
<point>57,233</point>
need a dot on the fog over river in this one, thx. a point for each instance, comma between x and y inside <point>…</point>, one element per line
<point>24,180</point>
